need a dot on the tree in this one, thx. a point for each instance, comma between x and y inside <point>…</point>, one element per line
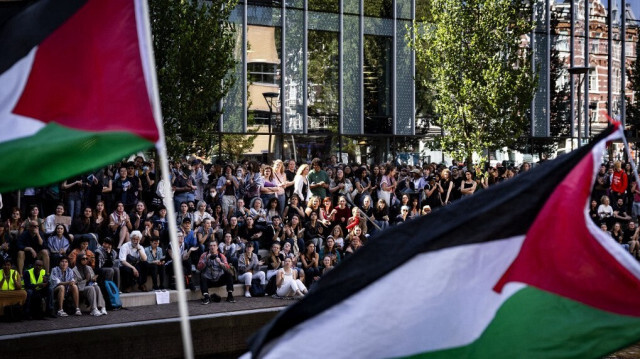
<point>193,43</point>
<point>480,76</point>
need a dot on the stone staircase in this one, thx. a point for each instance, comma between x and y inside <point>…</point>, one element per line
<point>137,299</point>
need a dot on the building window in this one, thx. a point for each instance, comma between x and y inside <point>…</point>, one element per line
<point>593,81</point>
<point>322,81</point>
<point>378,80</point>
<point>263,73</point>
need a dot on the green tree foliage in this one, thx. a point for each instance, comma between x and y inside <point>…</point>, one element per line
<point>480,76</point>
<point>193,43</point>
<point>633,107</point>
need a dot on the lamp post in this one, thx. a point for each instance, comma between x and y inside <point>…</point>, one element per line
<point>580,70</point>
<point>271,98</point>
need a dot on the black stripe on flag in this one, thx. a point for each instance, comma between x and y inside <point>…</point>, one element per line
<point>26,29</point>
<point>502,211</point>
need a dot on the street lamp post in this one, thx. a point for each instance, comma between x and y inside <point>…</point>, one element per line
<point>271,98</point>
<point>580,70</point>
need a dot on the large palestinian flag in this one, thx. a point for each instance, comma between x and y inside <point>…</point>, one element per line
<point>75,88</point>
<point>516,271</point>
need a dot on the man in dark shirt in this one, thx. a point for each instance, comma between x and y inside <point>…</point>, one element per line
<point>31,246</point>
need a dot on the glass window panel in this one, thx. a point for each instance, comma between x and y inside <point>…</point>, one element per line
<point>404,81</point>
<point>294,65</point>
<point>378,8</point>
<point>267,16</point>
<point>233,110</point>
<point>422,7</point>
<point>264,77</point>
<point>323,21</point>
<point>541,59</point>
<point>367,149</point>
<point>377,26</point>
<point>351,95</point>
<point>304,148</point>
<point>273,3</point>
<point>323,81</point>
<point>351,6</point>
<point>378,77</point>
<point>295,3</point>
<point>324,5</point>
<point>403,10</point>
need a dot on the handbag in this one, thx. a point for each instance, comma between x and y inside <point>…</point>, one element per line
<point>132,260</point>
<point>256,289</point>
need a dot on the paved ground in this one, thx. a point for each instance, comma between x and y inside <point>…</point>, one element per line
<point>138,314</point>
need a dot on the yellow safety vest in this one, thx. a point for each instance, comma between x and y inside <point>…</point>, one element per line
<point>33,278</point>
<point>9,284</point>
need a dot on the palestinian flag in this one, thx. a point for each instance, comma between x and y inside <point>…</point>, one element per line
<point>75,88</point>
<point>516,271</point>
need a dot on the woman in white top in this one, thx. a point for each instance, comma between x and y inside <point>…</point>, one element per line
<point>605,211</point>
<point>301,184</point>
<point>288,283</point>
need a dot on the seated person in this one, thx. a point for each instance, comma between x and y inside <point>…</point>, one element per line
<point>107,262</point>
<point>249,268</point>
<point>64,284</point>
<point>214,272</point>
<point>274,260</point>
<point>83,248</point>
<point>59,244</point>
<point>31,246</point>
<point>288,283</point>
<point>155,263</point>
<point>182,254</point>
<point>36,282</point>
<point>11,291</point>
<point>88,286</point>
<point>84,225</point>
<point>133,268</point>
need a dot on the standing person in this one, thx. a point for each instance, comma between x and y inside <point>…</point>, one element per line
<point>87,283</point>
<point>318,179</point>
<point>73,188</point>
<point>619,182</point>
<point>215,272</point>
<point>290,172</point>
<point>132,263</point>
<point>107,262</point>
<point>280,179</point>
<point>63,282</point>
<point>36,283</point>
<point>228,186</point>
<point>199,178</point>
<point>388,185</point>
<point>468,186</point>
<point>301,184</point>
<point>249,269</point>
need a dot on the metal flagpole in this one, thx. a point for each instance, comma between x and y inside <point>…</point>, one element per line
<point>187,344</point>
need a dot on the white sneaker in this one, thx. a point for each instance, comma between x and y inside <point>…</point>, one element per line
<point>247,294</point>
<point>62,313</point>
<point>103,311</point>
<point>96,312</point>
<point>78,312</point>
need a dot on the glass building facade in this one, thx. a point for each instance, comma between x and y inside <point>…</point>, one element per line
<point>324,77</point>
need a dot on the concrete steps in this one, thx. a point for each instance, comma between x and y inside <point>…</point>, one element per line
<point>137,299</point>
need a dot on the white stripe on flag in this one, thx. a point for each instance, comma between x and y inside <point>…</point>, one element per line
<point>444,298</point>
<point>13,82</point>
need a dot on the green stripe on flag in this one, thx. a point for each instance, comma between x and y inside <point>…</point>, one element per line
<point>56,153</point>
<point>537,324</point>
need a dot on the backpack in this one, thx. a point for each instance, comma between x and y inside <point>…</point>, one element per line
<point>271,286</point>
<point>113,294</point>
<point>256,289</point>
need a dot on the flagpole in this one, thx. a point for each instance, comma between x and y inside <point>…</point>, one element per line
<point>185,327</point>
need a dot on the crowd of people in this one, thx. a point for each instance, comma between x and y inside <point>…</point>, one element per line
<point>283,224</point>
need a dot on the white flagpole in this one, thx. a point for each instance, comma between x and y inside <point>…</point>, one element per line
<point>187,343</point>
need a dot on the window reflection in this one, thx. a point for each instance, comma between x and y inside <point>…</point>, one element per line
<point>378,8</point>
<point>324,5</point>
<point>263,74</point>
<point>322,76</point>
<point>378,77</point>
